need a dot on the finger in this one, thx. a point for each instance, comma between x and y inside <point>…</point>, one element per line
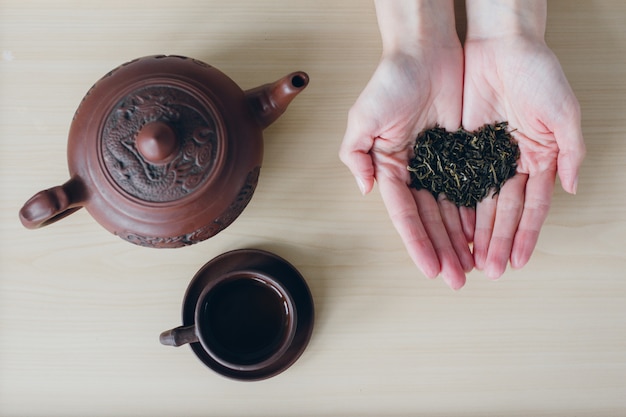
<point>508,214</point>
<point>404,215</point>
<point>539,191</point>
<point>569,161</point>
<point>354,152</point>
<point>468,221</point>
<point>451,270</point>
<point>485,216</point>
<point>451,217</point>
<point>569,137</point>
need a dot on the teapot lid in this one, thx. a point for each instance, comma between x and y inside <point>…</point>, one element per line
<point>151,143</point>
<point>160,143</point>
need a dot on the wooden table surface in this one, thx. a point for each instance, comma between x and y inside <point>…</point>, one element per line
<point>81,310</point>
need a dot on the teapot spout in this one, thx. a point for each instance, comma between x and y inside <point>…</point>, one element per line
<point>269,101</point>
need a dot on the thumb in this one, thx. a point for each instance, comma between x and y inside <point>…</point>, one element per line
<point>355,154</point>
<point>568,166</point>
<point>569,138</point>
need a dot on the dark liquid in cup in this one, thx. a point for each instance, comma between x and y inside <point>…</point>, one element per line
<point>244,320</point>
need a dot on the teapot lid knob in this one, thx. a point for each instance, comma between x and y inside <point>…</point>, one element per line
<point>157,142</point>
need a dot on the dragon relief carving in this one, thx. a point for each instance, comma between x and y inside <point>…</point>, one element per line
<point>220,223</point>
<point>195,128</point>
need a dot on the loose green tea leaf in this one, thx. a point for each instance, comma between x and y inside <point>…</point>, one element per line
<point>465,166</point>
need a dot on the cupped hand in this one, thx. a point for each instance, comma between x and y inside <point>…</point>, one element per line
<point>520,80</point>
<point>410,92</point>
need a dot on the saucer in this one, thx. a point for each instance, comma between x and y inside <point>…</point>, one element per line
<point>269,264</point>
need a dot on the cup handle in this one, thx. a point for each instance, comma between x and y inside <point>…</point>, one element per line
<point>50,205</point>
<point>179,336</point>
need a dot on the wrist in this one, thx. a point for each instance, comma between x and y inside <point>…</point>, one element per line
<point>491,19</point>
<point>406,24</point>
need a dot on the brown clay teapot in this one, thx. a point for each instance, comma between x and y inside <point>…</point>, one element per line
<point>164,151</point>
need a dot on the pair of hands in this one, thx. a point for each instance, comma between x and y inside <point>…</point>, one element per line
<point>514,78</point>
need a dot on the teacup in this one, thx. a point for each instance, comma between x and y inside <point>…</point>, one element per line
<point>247,314</point>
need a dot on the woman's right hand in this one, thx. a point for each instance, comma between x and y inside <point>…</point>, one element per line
<point>418,84</point>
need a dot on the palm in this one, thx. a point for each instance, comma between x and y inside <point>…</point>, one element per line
<point>406,95</point>
<point>520,82</point>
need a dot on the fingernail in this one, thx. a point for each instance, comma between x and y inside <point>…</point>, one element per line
<point>575,185</point>
<point>493,272</point>
<point>479,260</point>
<point>361,185</point>
<point>456,286</point>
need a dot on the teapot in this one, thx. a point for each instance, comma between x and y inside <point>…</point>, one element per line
<point>164,151</point>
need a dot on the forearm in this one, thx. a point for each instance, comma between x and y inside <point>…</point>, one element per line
<point>404,24</point>
<point>498,18</point>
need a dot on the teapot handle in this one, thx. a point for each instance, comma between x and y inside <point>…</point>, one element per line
<point>51,205</point>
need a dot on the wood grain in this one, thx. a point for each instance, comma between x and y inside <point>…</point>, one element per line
<point>81,310</point>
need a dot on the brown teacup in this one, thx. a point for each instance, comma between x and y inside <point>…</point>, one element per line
<point>244,320</point>
<point>246,323</point>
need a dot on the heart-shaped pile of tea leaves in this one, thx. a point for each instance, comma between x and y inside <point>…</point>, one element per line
<point>465,166</point>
